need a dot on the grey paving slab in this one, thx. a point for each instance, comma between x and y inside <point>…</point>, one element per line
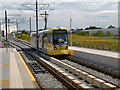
<point>6,73</point>
<point>4,87</point>
<point>0,73</point>
<point>0,67</point>
<point>6,58</point>
<point>15,79</point>
<point>4,67</point>
<point>25,77</point>
<point>13,73</point>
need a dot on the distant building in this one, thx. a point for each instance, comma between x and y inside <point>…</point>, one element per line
<point>112,30</point>
<point>12,28</point>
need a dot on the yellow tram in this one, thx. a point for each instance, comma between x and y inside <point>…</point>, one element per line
<point>53,41</point>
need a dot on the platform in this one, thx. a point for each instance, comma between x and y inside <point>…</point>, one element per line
<point>13,71</point>
<point>108,59</point>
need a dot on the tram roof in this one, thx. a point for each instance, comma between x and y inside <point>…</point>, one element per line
<point>52,28</point>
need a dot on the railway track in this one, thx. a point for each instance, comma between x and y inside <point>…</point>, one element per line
<point>96,67</point>
<point>94,80</point>
<point>85,75</point>
<point>40,76</point>
<point>51,69</point>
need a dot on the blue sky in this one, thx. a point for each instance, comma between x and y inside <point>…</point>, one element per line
<point>83,13</point>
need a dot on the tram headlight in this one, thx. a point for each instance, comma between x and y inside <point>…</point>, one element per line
<point>66,47</point>
<point>55,48</point>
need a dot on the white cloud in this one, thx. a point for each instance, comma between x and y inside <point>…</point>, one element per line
<point>107,11</point>
<point>79,0</point>
<point>83,13</point>
<point>98,0</point>
<point>19,1</point>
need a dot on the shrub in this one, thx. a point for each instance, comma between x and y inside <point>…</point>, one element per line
<point>108,33</point>
<point>98,33</point>
<point>81,33</point>
<point>24,32</point>
<point>24,37</point>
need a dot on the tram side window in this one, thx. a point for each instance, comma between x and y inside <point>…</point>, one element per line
<point>49,38</point>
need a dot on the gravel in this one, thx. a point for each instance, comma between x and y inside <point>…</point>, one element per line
<point>48,81</point>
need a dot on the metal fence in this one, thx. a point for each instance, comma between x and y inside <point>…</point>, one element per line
<point>3,43</point>
<point>105,43</point>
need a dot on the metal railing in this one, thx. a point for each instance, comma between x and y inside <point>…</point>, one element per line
<point>105,43</point>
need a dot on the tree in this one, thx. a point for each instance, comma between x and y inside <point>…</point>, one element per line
<point>116,35</point>
<point>80,29</point>
<point>111,26</point>
<point>24,32</point>
<point>92,27</point>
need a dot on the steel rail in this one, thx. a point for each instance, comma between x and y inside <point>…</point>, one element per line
<point>95,67</point>
<point>49,68</point>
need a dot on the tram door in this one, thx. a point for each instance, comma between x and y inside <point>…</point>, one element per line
<point>43,41</point>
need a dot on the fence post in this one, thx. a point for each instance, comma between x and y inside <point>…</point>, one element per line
<point>116,46</point>
<point>96,44</point>
<point>108,45</point>
<point>91,43</point>
<point>79,44</point>
<point>102,45</point>
<point>83,43</point>
<point>75,41</point>
<point>87,43</point>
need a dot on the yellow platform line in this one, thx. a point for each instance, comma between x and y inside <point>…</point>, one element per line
<point>33,79</point>
<point>3,65</point>
<point>4,83</point>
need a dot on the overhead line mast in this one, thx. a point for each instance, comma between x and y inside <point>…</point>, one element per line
<point>17,25</point>
<point>45,19</point>
<point>6,23</point>
<point>70,32</point>
<point>37,26</point>
<point>30,25</point>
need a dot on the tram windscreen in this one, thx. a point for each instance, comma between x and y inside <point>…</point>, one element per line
<point>60,37</point>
